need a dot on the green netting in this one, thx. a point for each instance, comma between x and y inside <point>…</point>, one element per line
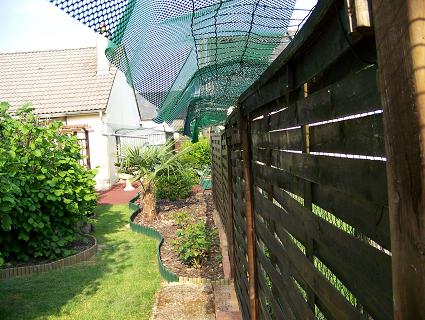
<point>191,58</point>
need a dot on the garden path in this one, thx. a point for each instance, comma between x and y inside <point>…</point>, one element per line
<point>117,195</point>
<point>189,301</point>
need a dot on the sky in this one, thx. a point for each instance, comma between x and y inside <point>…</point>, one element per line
<point>32,25</point>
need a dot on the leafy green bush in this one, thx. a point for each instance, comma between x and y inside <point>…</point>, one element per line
<point>175,186</point>
<point>193,243</point>
<point>198,156</point>
<point>44,190</point>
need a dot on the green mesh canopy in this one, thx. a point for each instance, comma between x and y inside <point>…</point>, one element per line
<point>189,58</point>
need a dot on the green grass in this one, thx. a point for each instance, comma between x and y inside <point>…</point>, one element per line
<point>119,283</point>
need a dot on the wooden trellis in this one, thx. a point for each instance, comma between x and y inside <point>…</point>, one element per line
<point>82,134</point>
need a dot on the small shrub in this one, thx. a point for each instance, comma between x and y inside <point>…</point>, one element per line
<point>44,190</point>
<point>193,243</point>
<point>173,187</point>
<point>181,218</point>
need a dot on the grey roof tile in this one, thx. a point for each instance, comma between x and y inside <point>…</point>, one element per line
<point>55,82</point>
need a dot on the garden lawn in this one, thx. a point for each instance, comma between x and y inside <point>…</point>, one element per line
<point>120,282</point>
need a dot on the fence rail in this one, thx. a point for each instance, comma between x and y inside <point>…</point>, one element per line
<point>321,238</point>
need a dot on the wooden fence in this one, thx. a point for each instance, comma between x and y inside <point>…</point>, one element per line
<point>299,180</point>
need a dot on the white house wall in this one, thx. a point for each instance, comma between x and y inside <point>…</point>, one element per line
<point>122,111</point>
<point>101,149</point>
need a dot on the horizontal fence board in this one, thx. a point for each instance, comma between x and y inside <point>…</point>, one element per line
<point>281,140</point>
<point>359,136</point>
<point>365,270</point>
<point>263,308</point>
<point>241,262</point>
<point>279,312</point>
<point>240,239</point>
<point>281,307</point>
<point>292,260</point>
<point>278,177</point>
<point>259,155</point>
<point>286,118</point>
<point>370,219</point>
<point>240,223</point>
<point>356,94</point>
<point>236,155</point>
<point>364,178</point>
<point>318,105</point>
<point>241,259</point>
<point>242,294</point>
<point>286,288</point>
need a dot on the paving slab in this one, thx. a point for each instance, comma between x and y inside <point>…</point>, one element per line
<point>184,301</point>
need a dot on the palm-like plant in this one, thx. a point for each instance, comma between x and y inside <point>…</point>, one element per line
<point>146,164</point>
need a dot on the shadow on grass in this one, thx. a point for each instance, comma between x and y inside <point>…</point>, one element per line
<point>62,292</point>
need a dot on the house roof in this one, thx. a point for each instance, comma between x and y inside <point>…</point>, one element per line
<point>55,82</point>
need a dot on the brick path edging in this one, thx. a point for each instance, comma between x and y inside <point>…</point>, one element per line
<point>203,281</point>
<point>45,267</point>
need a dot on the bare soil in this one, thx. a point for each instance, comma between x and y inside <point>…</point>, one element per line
<point>200,207</point>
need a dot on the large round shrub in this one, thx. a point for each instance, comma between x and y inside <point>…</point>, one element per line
<point>174,186</point>
<point>44,192</point>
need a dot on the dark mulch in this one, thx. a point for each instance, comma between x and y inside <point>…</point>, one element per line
<point>76,246</point>
<point>200,207</point>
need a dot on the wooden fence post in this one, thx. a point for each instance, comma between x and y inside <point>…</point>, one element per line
<point>250,231</point>
<point>308,203</point>
<point>231,240</point>
<point>400,41</point>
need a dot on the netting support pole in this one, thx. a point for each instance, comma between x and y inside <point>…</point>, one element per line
<point>400,42</point>
<point>250,227</point>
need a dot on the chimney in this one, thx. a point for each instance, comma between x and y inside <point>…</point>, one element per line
<point>101,45</point>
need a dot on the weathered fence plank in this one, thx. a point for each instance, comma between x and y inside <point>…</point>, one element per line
<point>400,41</point>
<point>359,136</point>
<point>364,178</point>
<point>364,269</point>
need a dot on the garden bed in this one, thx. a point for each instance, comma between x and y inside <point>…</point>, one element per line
<point>76,247</point>
<point>200,207</point>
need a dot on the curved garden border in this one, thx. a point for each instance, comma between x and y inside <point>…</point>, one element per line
<point>44,267</point>
<point>165,273</point>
